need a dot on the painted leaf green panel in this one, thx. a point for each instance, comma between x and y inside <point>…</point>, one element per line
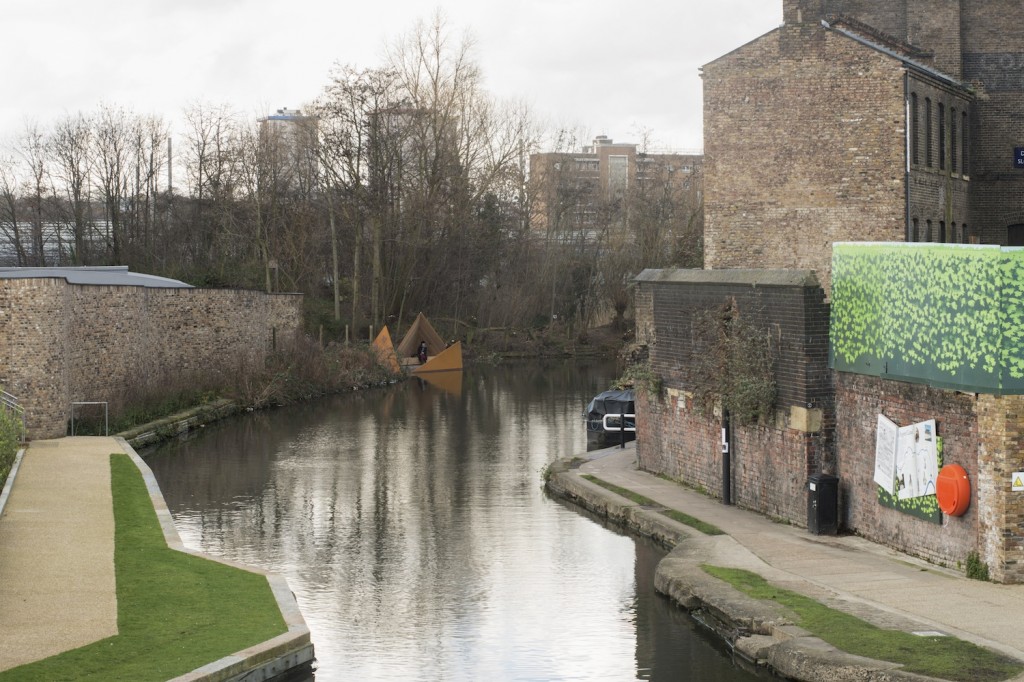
<point>943,314</point>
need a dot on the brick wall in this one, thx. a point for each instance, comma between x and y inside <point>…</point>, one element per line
<point>1001,454</point>
<point>770,461</point>
<point>63,342</point>
<point>939,181</point>
<point>994,64</point>
<point>859,401</point>
<point>794,163</point>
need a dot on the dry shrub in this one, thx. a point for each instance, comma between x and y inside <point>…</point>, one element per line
<point>300,369</point>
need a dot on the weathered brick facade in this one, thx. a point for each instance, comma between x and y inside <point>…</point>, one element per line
<point>982,433</point>
<point>62,342</point>
<point>790,169</point>
<point>859,401</point>
<point>770,461</point>
<point>973,43</point>
<point>1001,511</point>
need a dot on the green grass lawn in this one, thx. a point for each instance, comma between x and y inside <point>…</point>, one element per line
<point>946,658</point>
<point>175,612</point>
<point>673,514</point>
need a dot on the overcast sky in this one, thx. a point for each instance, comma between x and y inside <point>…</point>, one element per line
<point>602,66</point>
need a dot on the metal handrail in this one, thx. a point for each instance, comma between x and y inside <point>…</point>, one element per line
<point>622,427</point>
<point>10,403</point>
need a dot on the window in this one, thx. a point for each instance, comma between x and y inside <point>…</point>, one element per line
<point>964,137</point>
<point>928,132</point>
<point>963,234</point>
<point>942,136</point>
<point>915,234</point>
<point>915,142</point>
<point>942,232</point>
<point>954,238</point>
<point>953,141</point>
<point>927,231</point>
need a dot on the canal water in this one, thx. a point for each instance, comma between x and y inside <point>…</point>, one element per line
<point>411,524</point>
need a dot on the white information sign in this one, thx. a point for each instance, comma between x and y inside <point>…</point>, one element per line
<point>885,454</point>
<point>906,458</point>
<point>917,460</point>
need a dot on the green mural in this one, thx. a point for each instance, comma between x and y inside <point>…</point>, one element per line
<point>948,315</point>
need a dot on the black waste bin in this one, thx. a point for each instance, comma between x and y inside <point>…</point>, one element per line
<point>823,504</point>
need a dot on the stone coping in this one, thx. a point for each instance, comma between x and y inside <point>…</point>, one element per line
<point>6,493</point>
<point>761,633</point>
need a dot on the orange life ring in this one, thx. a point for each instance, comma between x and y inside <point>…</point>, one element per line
<point>953,490</point>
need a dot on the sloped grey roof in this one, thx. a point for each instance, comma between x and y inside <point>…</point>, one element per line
<point>106,275</point>
<point>763,278</point>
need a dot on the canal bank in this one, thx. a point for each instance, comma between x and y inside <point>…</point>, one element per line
<point>57,566</point>
<point>846,573</point>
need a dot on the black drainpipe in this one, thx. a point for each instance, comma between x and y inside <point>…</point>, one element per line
<point>726,458</point>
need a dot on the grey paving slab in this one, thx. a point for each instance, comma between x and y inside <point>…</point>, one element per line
<point>57,582</point>
<point>860,575</point>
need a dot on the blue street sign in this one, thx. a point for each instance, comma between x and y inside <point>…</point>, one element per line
<point>1018,157</point>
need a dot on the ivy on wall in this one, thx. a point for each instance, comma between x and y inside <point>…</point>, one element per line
<point>943,314</point>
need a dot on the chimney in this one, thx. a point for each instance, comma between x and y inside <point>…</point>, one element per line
<point>796,12</point>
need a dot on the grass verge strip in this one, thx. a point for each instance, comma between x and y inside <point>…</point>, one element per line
<point>673,514</point>
<point>175,612</point>
<point>946,658</point>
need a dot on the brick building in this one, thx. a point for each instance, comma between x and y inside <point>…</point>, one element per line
<point>861,121</point>
<point>583,190</point>
<point>865,120</point>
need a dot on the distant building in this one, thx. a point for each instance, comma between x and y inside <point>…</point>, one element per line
<point>577,190</point>
<point>289,141</point>
<point>866,120</point>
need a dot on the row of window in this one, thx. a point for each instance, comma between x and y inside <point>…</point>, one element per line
<point>937,232</point>
<point>953,135</point>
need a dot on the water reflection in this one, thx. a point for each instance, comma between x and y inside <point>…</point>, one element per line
<point>412,527</point>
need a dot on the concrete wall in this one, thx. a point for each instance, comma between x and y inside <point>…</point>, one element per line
<point>61,342</point>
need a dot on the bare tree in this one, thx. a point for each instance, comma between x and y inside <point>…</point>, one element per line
<point>32,148</point>
<point>71,148</point>
<point>10,215</point>
<point>113,158</point>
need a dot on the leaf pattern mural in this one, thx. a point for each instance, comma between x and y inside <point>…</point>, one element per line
<point>948,315</point>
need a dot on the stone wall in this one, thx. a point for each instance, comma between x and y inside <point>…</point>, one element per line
<point>61,342</point>
<point>771,460</point>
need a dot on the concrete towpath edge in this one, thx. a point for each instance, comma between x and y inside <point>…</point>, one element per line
<point>264,661</point>
<point>759,632</point>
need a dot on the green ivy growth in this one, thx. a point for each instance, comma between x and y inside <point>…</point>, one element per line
<point>975,568</point>
<point>642,378</point>
<point>735,366</point>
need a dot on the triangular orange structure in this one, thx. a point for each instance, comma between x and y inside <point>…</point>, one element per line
<point>385,350</point>
<point>421,330</point>
<point>447,360</point>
